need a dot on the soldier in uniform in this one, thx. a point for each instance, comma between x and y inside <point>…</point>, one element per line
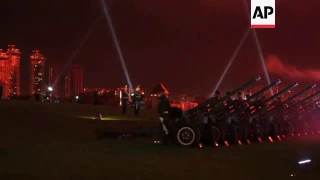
<point>217,95</point>
<point>230,101</point>
<point>279,113</point>
<point>163,110</point>
<point>137,98</point>
<point>124,99</point>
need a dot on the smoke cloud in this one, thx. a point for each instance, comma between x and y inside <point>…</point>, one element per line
<point>276,66</point>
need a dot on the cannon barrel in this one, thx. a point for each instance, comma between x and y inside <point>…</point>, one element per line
<point>211,100</point>
<point>273,97</point>
<point>315,101</point>
<point>264,89</point>
<point>309,97</point>
<point>257,94</point>
<point>292,114</point>
<point>288,110</point>
<point>299,93</point>
<point>281,92</point>
<point>249,83</point>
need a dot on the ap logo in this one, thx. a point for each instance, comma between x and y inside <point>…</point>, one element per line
<point>263,14</point>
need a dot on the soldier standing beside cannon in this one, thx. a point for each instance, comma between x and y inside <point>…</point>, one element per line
<point>163,110</point>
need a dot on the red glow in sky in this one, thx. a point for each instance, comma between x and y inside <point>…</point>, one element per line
<point>275,65</point>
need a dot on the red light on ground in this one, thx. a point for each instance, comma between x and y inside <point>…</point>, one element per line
<point>299,134</point>
<point>306,134</point>
<point>216,144</point>
<point>279,138</point>
<point>292,134</point>
<point>270,139</point>
<point>248,141</point>
<point>239,142</point>
<point>283,136</point>
<point>200,145</point>
<point>226,143</point>
<point>260,140</point>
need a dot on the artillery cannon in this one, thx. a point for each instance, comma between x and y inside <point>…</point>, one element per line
<point>301,117</point>
<point>212,104</point>
<point>258,125</point>
<point>233,125</point>
<point>192,124</point>
<point>276,115</point>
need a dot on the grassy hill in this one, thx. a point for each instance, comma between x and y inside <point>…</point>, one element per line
<point>53,141</point>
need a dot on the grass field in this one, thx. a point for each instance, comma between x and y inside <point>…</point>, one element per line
<point>57,143</point>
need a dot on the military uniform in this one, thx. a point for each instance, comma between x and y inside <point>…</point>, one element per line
<point>137,98</point>
<point>163,110</point>
<point>124,99</point>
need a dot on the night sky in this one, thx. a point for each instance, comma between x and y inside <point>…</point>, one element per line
<point>183,43</point>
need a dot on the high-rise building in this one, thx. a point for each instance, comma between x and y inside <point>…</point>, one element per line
<point>37,72</point>
<point>55,74</point>
<point>14,55</point>
<point>66,82</point>
<point>5,73</point>
<point>74,81</point>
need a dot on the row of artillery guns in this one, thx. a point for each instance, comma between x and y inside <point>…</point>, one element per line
<point>254,118</point>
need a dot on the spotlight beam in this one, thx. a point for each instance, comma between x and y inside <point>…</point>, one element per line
<point>259,48</point>
<point>116,42</point>
<point>76,51</point>
<point>233,57</point>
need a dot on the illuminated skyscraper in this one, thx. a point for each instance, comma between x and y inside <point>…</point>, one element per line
<point>55,81</point>
<point>5,73</point>
<point>14,55</point>
<point>68,82</point>
<point>74,81</point>
<point>37,72</point>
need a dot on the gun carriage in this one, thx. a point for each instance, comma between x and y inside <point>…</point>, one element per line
<point>301,116</point>
<point>214,121</point>
<point>277,114</point>
<point>195,125</point>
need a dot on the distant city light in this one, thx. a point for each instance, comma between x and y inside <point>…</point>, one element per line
<point>50,88</point>
<point>10,71</point>
<point>77,97</point>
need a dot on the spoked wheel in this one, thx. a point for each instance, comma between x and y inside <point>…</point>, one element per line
<point>187,136</point>
<point>259,131</point>
<point>289,128</point>
<point>274,129</point>
<point>216,134</point>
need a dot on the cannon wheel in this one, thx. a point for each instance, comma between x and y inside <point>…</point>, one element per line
<point>215,133</point>
<point>259,131</point>
<point>274,129</point>
<point>289,128</point>
<point>187,136</point>
<point>237,133</point>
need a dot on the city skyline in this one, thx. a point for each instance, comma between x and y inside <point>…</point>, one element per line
<point>39,78</point>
